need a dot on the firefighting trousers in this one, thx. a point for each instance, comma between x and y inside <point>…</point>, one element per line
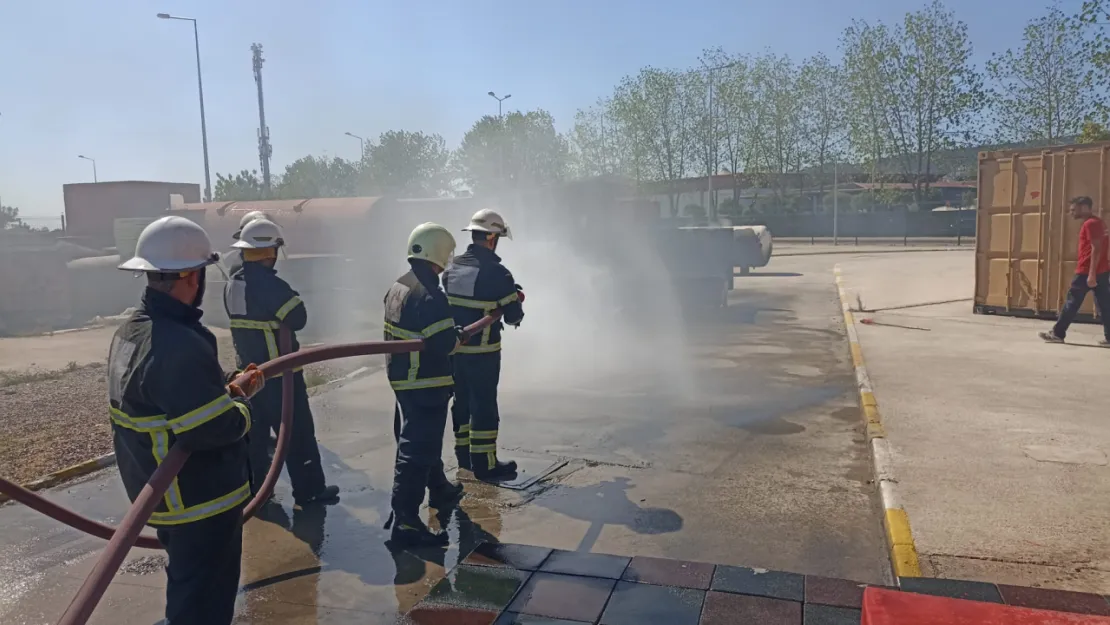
<point>203,569</point>
<point>474,415</point>
<point>303,460</point>
<point>419,420</point>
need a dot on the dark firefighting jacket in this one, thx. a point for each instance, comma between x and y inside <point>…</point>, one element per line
<point>476,284</point>
<point>165,386</point>
<point>416,308</point>
<point>258,302</point>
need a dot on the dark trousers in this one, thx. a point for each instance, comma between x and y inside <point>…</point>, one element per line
<point>1076,294</point>
<point>474,415</point>
<point>203,569</point>
<point>419,420</point>
<point>303,460</point>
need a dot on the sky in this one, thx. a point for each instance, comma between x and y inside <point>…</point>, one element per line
<point>111,81</point>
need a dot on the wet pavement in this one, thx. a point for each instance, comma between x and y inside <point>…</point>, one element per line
<point>738,442</point>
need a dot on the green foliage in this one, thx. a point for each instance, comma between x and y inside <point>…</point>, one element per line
<point>244,186</point>
<point>406,164</point>
<point>518,150</point>
<point>1092,132</point>
<point>843,201</point>
<point>311,177</point>
<point>9,217</point>
<point>1043,90</point>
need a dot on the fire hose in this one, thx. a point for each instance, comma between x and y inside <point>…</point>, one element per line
<point>128,534</point>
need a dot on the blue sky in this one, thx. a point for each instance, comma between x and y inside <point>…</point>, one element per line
<point>110,80</point>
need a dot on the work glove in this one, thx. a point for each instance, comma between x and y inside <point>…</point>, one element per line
<point>255,380</point>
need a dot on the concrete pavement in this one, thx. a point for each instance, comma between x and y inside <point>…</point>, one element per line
<point>1000,441</point>
<point>735,439</point>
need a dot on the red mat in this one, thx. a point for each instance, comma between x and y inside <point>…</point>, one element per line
<point>891,607</point>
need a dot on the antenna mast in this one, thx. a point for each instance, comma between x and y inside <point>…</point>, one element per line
<point>265,150</point>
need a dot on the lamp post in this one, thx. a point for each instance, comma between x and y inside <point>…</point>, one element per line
<point>200,91</point>
<point>93,161</point>
<point>361,145</point>
<point>501,147</point>
<point>711,214</point>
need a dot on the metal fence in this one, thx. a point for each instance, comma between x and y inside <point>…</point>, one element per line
<point>890,224</point>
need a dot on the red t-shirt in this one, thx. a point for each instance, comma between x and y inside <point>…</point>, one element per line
<point>1093,230</point>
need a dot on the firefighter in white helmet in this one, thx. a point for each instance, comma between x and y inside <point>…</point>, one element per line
<point>166,388</point>
<point>416,308</point>
<point>234,259</point>
<point>258,303</point>
<point>477,284</point>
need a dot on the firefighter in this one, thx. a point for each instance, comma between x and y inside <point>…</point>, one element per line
<point>166,388</point>
<point>416,308</point>
<point>258,303</point>
<point>234,260</point>
<point>476,284</point>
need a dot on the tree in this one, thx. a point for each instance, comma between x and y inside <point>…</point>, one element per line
<point>1092,132</point>
<point>823,95</point>
<point>1043,90</point>
<point>866,48</point>
<point>776,122</point>
<point>1096,14</point>
<point>9,217</point>
<point>518,150</point>
<point>597,144</point>
<point>242,187</point>
<point>403,163</point>
<point>310,177</point>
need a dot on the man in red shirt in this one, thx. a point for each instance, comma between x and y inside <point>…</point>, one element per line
<point>1092,272</point>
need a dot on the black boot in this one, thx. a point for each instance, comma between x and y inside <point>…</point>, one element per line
<point>499,471</point>
<point>445,497</point>
<point>462,454</point>
<point>329,495</point>
<point>412,532</point>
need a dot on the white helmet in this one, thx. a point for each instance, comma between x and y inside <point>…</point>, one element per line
<point>488,220</point>
<point>251,216</point>
<point>433,243</point>
<point>260,234</point>
<point>172,244</point>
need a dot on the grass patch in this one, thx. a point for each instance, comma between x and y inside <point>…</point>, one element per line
<point>11,378</point>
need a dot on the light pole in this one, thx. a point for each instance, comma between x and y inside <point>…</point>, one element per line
<point>501,146</point>
<point>836,200</point>
<point>361,145</point>
<point>93,161</point>
<point>200,90</point>
<point>712,212</point>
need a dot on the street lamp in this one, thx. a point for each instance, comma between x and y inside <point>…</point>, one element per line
<point>499,101</point>
<point>93,161</point>
<point>200,90</point>
<point>712,212</point>
<point>361,145</point>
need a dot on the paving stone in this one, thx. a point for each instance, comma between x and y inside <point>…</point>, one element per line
<point>841,593</point>
<point>761,582</point>
<point>479,587</point>
<point>429,614</point>
<point>723,608</point>
<point>567,597</point>
<point>588,564</point>
<point>952,588</point>
<point>510,618</point>
<point>829,615</point>
<point>641,604</point>
<point>1059,600</point>
<point>523,557</point>
<point>669,572</point>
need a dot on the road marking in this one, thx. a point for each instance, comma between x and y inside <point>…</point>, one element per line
<point>899,536</point>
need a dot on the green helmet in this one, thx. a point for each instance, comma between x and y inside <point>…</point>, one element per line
<point>433,243</point>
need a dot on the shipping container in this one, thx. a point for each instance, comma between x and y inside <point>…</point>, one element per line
<point>1027,243</point>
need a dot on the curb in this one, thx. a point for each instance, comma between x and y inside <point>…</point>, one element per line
<point>899,537</point>
<point>68,473</point>
<point>876,251</point>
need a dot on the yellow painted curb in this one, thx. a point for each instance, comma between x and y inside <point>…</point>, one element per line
<point>68,473</point>
<point>896,523</point>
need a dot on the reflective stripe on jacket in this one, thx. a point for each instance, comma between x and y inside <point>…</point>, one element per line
<point>258,302</point>
<point>416,308</point>
<point>476,284</point>
<point>165,387</point>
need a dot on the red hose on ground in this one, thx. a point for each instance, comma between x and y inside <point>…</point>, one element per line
<point>128,534</point>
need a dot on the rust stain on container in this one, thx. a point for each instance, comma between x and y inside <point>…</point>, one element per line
<point>1026,247</point>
